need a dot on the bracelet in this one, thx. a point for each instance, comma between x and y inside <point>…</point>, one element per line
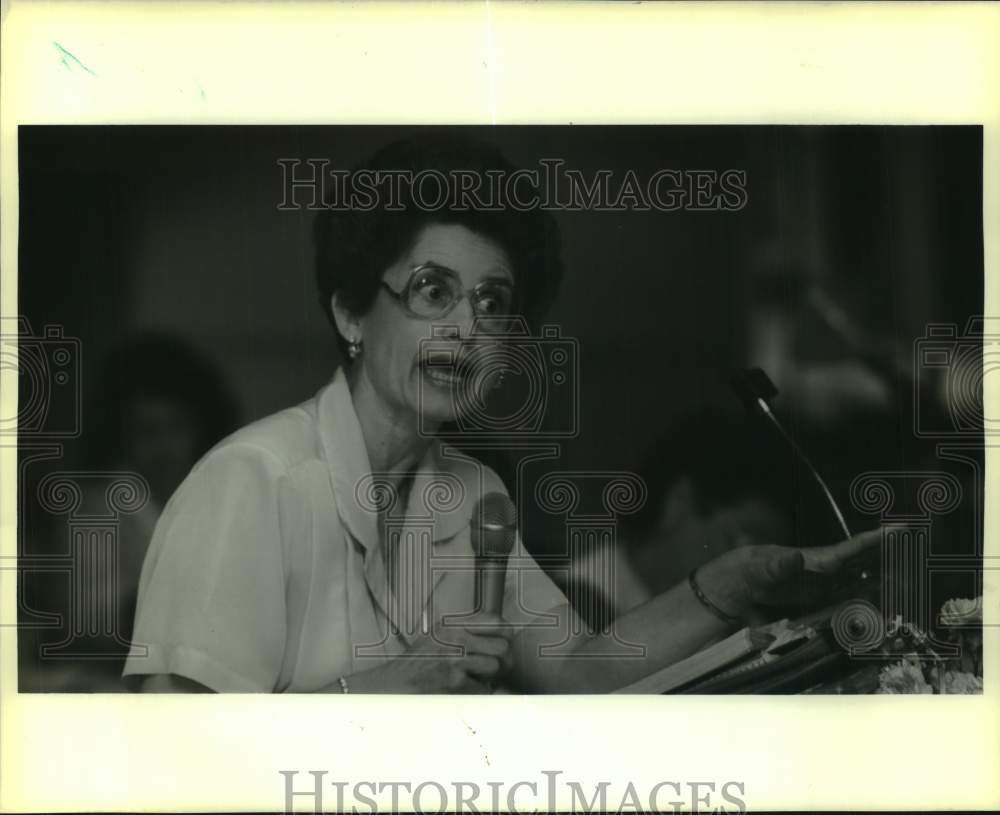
<point>343,685</point>
<point>703,599</point>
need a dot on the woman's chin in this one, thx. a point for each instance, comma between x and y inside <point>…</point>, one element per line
<point>437,406</point>
<point>449,398</point>
<point>435,411</point>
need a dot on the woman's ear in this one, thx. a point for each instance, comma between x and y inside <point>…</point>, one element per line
<point>348,325</point>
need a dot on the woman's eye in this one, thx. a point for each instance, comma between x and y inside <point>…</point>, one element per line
<point>432,291</point>
<point>493,302</point>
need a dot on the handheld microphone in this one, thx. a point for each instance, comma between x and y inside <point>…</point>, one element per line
<point>755,389</point>
<point>493,532</point>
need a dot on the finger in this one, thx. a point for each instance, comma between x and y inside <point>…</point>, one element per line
<point>460,681</point>
<point>490,646</point>
<point>470,686</point>
<point>481,666</point>
<point>489,625</point>
<point>829,558</point>
<point>443,640</point>
<point>783,565</point>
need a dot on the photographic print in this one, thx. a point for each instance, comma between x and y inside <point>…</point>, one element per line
<point>498,407</point>
<point>508,409</point>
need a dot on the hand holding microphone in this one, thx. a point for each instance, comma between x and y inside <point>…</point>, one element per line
<point>493,532</point>
<point>461,658</point>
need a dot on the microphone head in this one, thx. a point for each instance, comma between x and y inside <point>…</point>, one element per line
<point>751,384</point>
<point>494,525</point>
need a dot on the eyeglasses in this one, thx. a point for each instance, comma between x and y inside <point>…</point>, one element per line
<point>433,291</point>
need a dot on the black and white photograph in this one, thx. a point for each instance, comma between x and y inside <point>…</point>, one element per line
<point>600,409</point>
<point>498,407</point>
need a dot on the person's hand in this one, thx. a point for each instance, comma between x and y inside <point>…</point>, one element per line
<point>744,580</point>
<point>451,659</point>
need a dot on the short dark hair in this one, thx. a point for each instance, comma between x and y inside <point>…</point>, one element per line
<point>354,246</point>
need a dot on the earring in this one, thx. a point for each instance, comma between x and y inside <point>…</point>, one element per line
<point>354,348</point>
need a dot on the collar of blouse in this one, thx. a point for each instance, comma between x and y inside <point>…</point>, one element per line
<point>444,491</point>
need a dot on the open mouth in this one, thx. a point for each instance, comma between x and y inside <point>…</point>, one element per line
<point>444,372</point>
<point>475,372</point>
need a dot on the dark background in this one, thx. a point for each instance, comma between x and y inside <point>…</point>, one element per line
<point>124,229</point>
<point>176,230</point>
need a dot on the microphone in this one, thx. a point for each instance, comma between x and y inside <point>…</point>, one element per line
<point>493,532</point>
<point>755,389</point>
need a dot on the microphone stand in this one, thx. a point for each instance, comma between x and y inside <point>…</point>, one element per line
<point>754,388</point>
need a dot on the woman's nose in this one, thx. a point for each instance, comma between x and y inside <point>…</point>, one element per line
<point>463,316</point>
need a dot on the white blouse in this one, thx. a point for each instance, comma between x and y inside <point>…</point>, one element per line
<point>265,572</point>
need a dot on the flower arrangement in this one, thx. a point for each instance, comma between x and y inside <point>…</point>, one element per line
<point>928,672</point>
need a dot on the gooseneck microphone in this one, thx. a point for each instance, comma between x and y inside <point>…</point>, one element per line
<point>493,531</point>
<point>755,389</point>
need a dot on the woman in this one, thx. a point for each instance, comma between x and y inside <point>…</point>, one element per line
<point>279,566</point>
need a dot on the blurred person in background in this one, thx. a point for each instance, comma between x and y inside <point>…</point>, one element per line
<point>157,407</point>
<point>721,482</point>
<point>805,329</point>
<point>716,481</point>
<point>163,406</point>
